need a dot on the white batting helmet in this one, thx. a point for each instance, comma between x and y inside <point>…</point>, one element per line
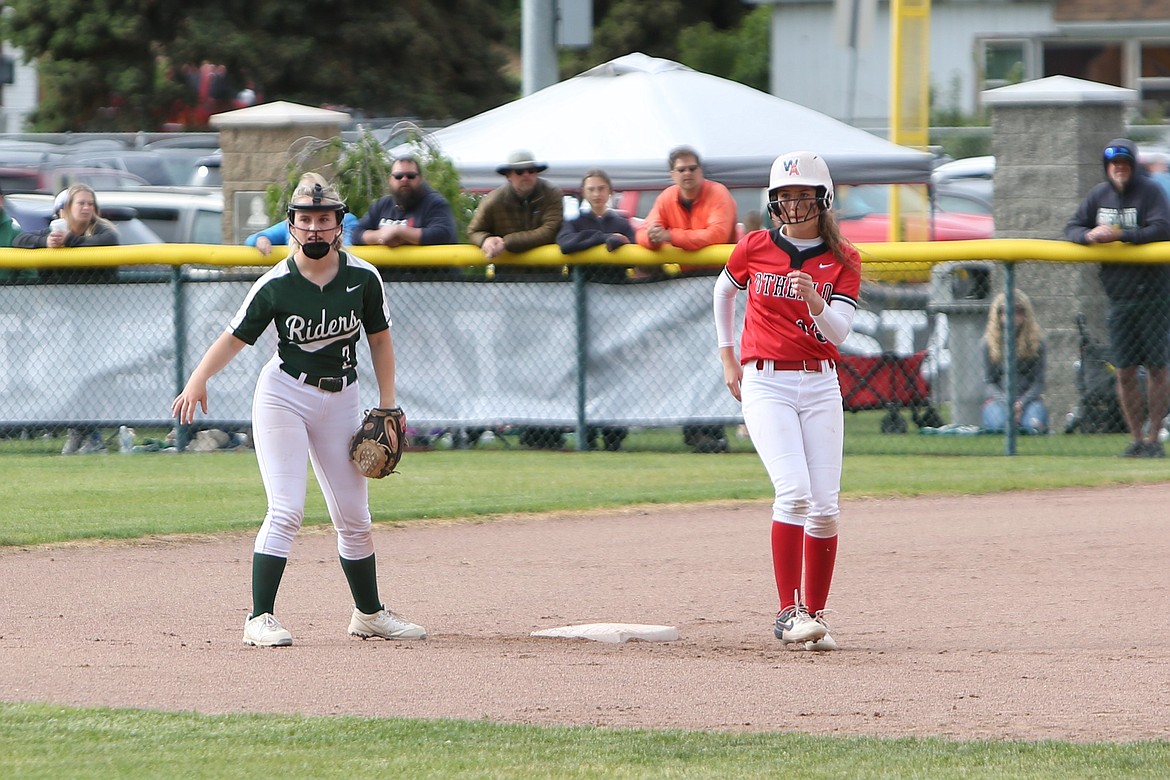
<point>804,169</point>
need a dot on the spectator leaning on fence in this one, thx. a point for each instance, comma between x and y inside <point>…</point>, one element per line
<point>1028,412</point>
<point>691,214</point>
<point>524,213</point>
<point>277,235</point>
<point>413,212</point>
<point>83,223</point>
<point>78,223</point>
<point>598,225</point>
<point>1130,208</point>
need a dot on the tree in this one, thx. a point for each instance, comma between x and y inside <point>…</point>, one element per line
<point>704,34</point>
<point>107,65</point>
<point>739,54</point>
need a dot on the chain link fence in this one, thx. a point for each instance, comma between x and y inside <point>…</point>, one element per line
<point>616,353</point>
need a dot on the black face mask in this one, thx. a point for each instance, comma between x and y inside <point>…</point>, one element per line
<point>315,250</point>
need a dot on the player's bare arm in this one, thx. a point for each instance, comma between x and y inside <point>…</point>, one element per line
<point>382,356</point>
<point>218,355</point>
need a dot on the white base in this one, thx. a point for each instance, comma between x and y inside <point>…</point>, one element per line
<point>613,633</point>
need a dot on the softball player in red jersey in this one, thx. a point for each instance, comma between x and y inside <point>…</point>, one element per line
<point>306,405</point>
<point>802,281</point>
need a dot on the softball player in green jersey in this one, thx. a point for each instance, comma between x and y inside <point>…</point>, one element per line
<point>306,405</point>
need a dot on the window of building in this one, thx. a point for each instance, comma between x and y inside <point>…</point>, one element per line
<point>1090,60</point>
<point>1004,63</point>
<point>1154,78</point>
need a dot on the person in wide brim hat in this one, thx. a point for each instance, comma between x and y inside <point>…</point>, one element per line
<point>521,160</point>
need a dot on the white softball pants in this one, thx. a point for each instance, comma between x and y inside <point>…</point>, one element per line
<point>797,425</point>
<point>292,421</point>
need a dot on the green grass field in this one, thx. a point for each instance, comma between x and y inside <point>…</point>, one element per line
<point>54,499</point>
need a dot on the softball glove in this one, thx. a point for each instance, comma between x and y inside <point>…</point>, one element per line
<point>377,446</point>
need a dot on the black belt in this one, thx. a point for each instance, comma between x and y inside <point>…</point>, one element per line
<point>330,384</point>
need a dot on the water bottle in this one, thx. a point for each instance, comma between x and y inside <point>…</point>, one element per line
<point>125,439</point>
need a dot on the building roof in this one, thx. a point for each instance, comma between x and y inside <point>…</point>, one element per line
<point>1115,11</point>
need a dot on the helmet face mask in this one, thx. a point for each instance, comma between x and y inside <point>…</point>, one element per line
<point>794,210</point>
<point>800,169</point>
<point>319,202</point>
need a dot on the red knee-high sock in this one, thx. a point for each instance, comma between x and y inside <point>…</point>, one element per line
<point>787,552</point>
<point>820,556</point>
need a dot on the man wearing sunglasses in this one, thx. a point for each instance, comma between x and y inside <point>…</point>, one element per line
<point>522,214</point>
<point>1129,207</point>
<point>413,212</point>
<point>691,213</point>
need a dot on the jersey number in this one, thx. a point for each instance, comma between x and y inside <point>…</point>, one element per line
<point>347,357</point>
<point>811,329</point>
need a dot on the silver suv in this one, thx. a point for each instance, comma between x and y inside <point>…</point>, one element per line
<point>179,217</point>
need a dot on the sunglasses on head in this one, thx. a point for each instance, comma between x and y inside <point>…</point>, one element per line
<point>1118,152</point>
<point>401,176</point>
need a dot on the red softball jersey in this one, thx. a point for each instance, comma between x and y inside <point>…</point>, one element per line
<point>777,325</point>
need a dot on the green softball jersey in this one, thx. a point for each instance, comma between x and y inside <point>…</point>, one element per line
<point>318,327</point>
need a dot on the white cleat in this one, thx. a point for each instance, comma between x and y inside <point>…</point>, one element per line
<point>795,626</point>
<point>823,644</point>
<point>265,631</point>
<point>384,624</point>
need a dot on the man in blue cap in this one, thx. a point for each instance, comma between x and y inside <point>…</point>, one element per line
<point>1131,208</point>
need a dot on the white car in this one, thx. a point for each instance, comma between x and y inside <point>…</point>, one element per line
<point>179,217</point>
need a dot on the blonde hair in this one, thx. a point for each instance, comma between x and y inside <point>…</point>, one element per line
<point>311,180</point>
<point>1028,333</point>
<point>87,229</point>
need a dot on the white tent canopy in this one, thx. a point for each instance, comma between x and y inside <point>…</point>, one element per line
<point>627,114</point>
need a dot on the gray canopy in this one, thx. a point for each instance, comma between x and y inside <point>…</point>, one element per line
<point>625,116</point>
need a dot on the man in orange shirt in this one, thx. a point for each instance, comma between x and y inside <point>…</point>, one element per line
<point>691,214</point>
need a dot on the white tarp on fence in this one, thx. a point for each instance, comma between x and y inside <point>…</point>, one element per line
<point>473,353</point>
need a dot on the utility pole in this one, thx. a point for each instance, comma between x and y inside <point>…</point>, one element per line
<point>538,45</point>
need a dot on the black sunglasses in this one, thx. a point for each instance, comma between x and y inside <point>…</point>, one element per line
<point>522,171</point>
<point>1116,152</point>
<point>401,176</point>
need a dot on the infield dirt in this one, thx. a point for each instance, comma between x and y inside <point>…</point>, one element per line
<point>1012,616</point>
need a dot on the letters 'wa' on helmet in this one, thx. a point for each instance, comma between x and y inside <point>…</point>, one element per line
<point>802,169</point>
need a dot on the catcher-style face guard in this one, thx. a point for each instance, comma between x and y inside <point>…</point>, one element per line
<point>794,210</point>
<point>306,208</point>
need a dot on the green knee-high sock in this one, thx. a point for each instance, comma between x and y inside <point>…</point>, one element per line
<point>266,573</point>
<point>363,583</point>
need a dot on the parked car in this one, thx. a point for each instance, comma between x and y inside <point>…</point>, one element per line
<point>154,166</point>
<point>207,171</point>
<point>59,176</point>
<point>863,210</point>
<point>972,176</point>
<point>177,216</point>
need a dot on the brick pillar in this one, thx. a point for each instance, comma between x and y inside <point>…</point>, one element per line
<point>256,143</point>
<point>1047,138</point>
